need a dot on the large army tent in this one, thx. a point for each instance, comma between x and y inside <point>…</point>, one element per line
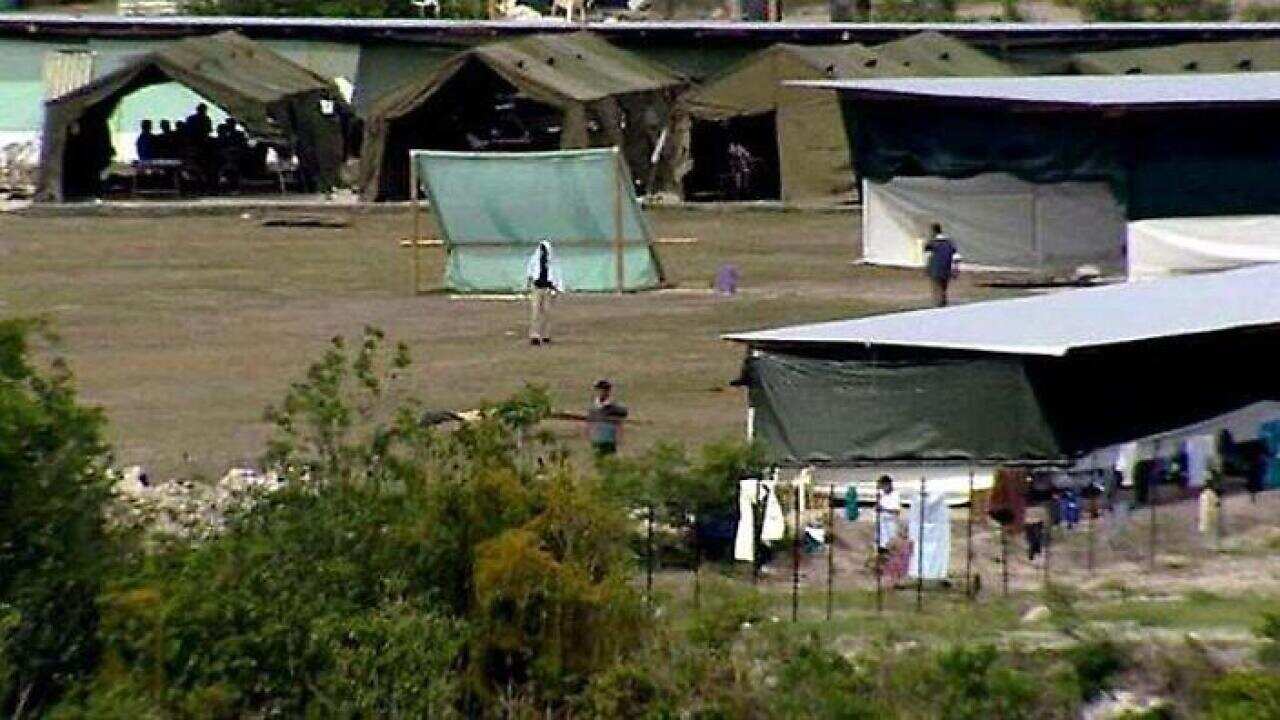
<point>1206,57</point>
<point>795,136</point>
<point>494,208</point>
<point>277,100</point>
<point>539,92</point>
<point>1162,145</point>
<point>1040,378</point>
<point>1177,246</point>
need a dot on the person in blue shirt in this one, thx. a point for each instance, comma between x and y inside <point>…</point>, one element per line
<point>941,264</point>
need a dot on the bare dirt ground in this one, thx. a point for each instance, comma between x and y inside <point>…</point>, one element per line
<point>185,328</point>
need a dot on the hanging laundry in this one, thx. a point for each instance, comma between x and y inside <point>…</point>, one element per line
<point>1126,457</point>
<point>1008,502</point>
<point>851,503</point>
<point>930,532</point>
<point>1202,455</point>
<point>802,482</point>
<point>744,545</point>
<point>775,523</point>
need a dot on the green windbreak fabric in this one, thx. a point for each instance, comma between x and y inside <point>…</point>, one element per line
<point>814,409</point>
<point>1208,57</point>
<point>934,54</point>
<point>494,209</point>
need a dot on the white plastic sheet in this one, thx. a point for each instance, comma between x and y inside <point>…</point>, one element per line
<point>996,220</point>
<point>1174,246</point>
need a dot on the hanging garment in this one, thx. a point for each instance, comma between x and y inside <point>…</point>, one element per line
<point>1210,513</point>
<point>851,503</point>
<point>888,507</point>
<point>744,545</point>
<point>775,523</point>
<point>802,482</point>
<point>1008,502</point>
<point>897,560</point>
<point>1202,455</point>
<point>930,533</point>
<point>1126,457</point>
<point>1270,434</point>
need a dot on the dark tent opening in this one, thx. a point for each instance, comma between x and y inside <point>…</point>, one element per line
<point>734,159</point>
<point>476,110</point>
<point>537,92</point>
<point>280,105</point>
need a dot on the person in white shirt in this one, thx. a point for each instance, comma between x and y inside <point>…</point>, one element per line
<point>543,280</point>
<point>888,507</point>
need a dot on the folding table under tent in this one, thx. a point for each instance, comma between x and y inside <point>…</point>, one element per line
<point>1161,145</point>
<point>494,208</point>
<point>1177,246</point>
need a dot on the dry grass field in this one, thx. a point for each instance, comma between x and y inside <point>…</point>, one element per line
<point>185,328</point>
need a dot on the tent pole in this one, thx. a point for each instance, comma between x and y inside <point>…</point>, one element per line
<point>795,554</point>
<point>968,542</point>
<point>417,220</point>
<point>1093,512</point>
<point>920,552</point>
<point>648,580</point>
<point>617,220</point>
<point>1004,558</point>
<point>876,550</point>
<point>697,565</point>
<point>1048,542</point>
<point>831,545</point>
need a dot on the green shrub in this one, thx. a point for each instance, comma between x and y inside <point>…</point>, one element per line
<point>1155,10</point>
<point>1245,695</point>
<point>1096,662</point>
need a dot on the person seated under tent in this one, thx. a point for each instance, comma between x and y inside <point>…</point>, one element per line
<point>146,144</point>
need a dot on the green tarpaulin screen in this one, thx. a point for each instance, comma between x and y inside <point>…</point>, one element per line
<point>494,209</point>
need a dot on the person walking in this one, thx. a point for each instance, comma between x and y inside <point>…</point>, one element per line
<point>604,420</point>
<point>543,279</point>
<point>941,264</point>
<point>888,507</point>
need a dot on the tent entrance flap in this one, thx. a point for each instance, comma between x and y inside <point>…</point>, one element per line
<point>734,159</point>
<point>493,208</point>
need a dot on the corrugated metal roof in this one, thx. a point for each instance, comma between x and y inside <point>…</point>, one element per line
<point>1056,324</point>
<point>1083,92</point>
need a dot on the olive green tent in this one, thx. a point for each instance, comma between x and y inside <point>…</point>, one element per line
<point>594,94</point>
<point>1208,57</point>
<point>798,130</point>
<point>277,100</point>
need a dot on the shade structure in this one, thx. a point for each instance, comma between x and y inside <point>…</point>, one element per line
<point>813,160</point>
<point>1178,246</point>
<point>997,221</point>
<point>494,209</point>
<point>1036,379</point>
<point>603,96</point>
<point>277,100</point>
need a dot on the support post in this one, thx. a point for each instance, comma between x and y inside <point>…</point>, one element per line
<point>619,239</point>
<point>876,550</point>
<point>795,554</point>
<point>831,546</point>
<point>1004,558</point>
<point>920,551</point>
<point>756,527</point>
<point>417,221</point>
<point>697,565</point>
<point>968,541</point>
<point>1048,543</point>
<point>648,579</point>
<point>1090,548</point>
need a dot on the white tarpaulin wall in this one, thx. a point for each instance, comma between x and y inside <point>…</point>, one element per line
<point>996,221</point>
<point>1172,246</point>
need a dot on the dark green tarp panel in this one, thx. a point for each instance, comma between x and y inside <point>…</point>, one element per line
<point>828,410</point>
<point>386,67</point>
<point>1170,163</point>
<point>1208,57</point>
<point>606,97</point>
<point>814,159</point>
<point>276,99</point>
<point>846,404</point>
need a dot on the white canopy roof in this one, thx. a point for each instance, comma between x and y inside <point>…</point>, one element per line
<point>1080,92</point>
<point>1063,321</point>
